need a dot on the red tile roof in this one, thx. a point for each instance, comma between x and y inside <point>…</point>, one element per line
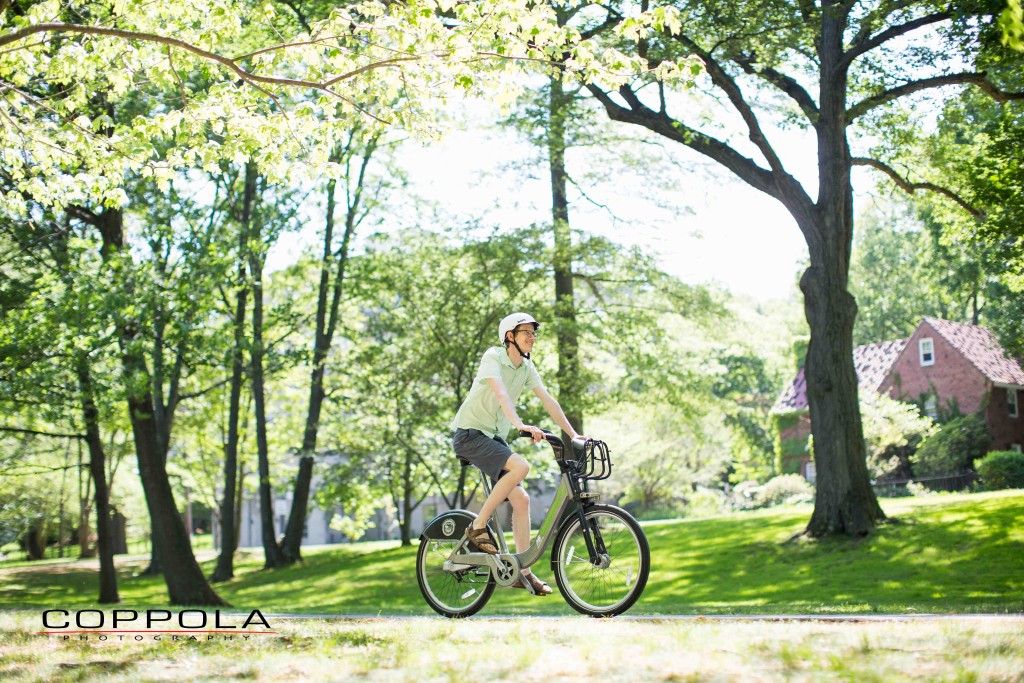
<point>979,347</point>
<point>794,398</point>
<point>871,361</point>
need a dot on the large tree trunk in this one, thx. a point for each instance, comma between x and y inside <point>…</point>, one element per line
<point>569,379</point>
<point>163,429</point>
<point>291,546</point>
<point>85,547</point>
<point>271,551</point>
<point>844,500</point>
<point>405,525</point>
<point>154,568</point>
<point>186,584</point>
<point>225,569</point>
<point>97,469</point>
<point>328,304</point>
<point>239,499</point>
<point>35,539</point>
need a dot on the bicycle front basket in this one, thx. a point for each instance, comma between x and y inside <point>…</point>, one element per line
<point>593,460</point>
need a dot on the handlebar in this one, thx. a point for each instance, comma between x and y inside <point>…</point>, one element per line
<point>556,442</point>
<point>590,458</point>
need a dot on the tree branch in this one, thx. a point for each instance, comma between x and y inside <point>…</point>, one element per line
<point>83,214</point>
<point>807,9</point>
<point>229,63</point>
<point>612,19</point>
<point>864,44</point>
<point>33,432</point>
<point>728,85</point>
<point>785,83</point>
<point>978,78</point>
<point>298,15</point>
<point>596,204</point>
<point>910,187</point>
<point>638,114</point>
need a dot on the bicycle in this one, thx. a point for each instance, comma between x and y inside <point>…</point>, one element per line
<point>600,557</point>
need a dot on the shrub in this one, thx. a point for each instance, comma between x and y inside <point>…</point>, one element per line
<point>953,448</point>
<point>1002,470</point>
<point>892,430</point>
<point>915,489</point>
<point>656,513</point>
<point>705,503</point>
<point>744,495</point>
<point>786,488</point>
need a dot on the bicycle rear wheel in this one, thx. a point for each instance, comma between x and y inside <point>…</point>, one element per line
<point>452,594</point>
<point>614,584</point>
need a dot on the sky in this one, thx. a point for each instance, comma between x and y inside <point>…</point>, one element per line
<point>721,231</point>
<point>708,229</point>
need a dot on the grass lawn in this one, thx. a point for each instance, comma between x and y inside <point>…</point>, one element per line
<point>944,554</point>
<point>525,650</point>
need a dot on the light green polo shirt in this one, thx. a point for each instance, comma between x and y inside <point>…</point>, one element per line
<point>481,409</point>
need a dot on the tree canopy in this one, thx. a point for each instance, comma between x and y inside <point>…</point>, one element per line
<point>217,80</point>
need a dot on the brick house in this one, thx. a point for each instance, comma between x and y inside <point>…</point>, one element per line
<point>944,367</point>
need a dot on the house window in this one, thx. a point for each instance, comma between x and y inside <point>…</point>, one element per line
<point>1011,401</point>
<point>927,349</point>
<point>931,406</point>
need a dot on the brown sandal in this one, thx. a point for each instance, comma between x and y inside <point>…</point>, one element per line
<point>485,544</point>
<point>539,587</point>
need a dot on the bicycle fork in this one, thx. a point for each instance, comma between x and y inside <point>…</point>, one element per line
<point>592,537</point>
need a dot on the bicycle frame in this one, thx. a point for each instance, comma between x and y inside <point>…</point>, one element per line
<point>506,566</point>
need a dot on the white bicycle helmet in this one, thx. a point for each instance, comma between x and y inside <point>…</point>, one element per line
<point>510,322</point>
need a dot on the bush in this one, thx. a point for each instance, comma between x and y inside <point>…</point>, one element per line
<point>1002,470</point>
<point>656,513</point>
<point>952,449</point>
<point>744,495</point>
<point>786,488</point>
<point>705,503</point>
<point>892,431</point>
<point>915,489</point>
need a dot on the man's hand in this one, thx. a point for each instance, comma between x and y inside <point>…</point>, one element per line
<point>536,433</point>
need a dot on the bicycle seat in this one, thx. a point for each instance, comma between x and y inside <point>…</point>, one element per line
<point>463,461</point>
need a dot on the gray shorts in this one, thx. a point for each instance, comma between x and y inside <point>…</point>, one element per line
<point>486,454</point>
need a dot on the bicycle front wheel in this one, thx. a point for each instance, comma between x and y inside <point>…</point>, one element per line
<point>452,594</point>
<point>613,584</point>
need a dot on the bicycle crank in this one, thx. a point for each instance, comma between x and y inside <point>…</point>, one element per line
<point>506,569</point>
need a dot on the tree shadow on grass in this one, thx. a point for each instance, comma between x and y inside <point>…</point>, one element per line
<point>947,560</point>
<point>370,582</point>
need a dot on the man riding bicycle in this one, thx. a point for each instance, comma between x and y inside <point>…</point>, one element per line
<point>487,415</point>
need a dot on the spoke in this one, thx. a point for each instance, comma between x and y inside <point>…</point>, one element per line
<point>602,588</point>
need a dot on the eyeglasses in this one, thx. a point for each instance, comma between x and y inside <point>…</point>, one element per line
<point>529,333</point>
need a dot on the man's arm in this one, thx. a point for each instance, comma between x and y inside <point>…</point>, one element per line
<point>505,401</point>
<point>555,411</point>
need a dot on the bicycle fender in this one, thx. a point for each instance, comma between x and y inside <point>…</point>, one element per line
<point>448,526</point>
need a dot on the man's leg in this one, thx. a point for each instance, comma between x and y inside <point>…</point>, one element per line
<point>520,501</point>
<point>517,469</point>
